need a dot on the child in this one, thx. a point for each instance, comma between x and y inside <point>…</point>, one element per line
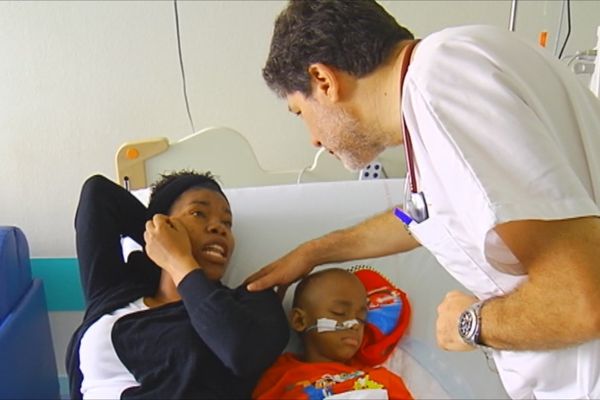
<point>329,311</point>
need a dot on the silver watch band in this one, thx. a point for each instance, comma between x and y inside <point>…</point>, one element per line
<point>469,324</point>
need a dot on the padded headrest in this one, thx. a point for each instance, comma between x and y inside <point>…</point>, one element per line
<point>15,268</point>
<point>388,315</point>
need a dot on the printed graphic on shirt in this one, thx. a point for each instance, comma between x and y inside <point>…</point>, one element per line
<point>326,385</point>
<point>366,383</point>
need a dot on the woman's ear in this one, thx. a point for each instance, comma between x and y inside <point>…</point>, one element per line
<point>298,320</point>
<point>324,82</point>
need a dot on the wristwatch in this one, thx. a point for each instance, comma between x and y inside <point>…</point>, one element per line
<point>469,324</point>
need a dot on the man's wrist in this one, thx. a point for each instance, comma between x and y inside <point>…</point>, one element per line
<point>313,252</point>
<point>470,324</point>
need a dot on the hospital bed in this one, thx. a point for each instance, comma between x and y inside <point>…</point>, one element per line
<point>275,211</point>
<point>222,150</point>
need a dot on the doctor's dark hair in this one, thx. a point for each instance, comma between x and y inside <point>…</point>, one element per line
<point>355,36</point>
<point>169,187</point>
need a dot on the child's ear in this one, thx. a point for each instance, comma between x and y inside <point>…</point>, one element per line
<point>298,319</point>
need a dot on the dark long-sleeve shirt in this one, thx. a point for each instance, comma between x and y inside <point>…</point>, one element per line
<point>214,344</point>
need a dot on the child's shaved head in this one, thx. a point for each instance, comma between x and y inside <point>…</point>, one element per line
<point>312,282</point>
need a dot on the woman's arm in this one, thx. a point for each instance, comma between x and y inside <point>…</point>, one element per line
<point>105,212</point>
<point>247,331</point>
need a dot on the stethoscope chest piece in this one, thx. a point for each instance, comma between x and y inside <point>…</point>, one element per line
<point>416,207</point>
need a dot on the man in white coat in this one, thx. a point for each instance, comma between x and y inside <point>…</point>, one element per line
<point>503,153</point>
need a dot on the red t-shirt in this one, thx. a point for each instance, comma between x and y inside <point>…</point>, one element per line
<point>290,378</point>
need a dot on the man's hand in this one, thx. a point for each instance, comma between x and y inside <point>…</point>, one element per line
<point>168,245</point>
<point>449,312</point>
<point>281,273</point>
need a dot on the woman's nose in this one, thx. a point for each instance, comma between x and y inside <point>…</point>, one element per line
<point>316,142</point>
<point>216,227</point>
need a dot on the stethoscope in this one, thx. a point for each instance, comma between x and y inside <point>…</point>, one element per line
<point>415,206</point>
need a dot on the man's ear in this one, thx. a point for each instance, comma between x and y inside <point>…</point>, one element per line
<point>298,320</point>
<point>324,82</point>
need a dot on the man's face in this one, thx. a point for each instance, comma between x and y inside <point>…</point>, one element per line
<point>207,218</point>
<point>341,298</point>
<point>334,128</point>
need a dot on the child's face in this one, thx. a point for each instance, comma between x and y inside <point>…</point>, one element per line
<point>341,297</point>
<point>207,218</point>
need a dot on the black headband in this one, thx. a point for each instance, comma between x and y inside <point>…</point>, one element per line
<point>161,201</point>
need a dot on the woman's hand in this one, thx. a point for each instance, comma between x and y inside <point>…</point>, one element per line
<point>168,245</point>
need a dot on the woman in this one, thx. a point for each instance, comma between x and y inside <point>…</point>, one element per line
<point>160,324</point>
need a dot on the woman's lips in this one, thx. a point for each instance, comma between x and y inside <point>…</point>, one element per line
<point>215,253</point>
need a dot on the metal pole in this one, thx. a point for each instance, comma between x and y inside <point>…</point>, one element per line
<point>559,27</point>
<point>513,16</point>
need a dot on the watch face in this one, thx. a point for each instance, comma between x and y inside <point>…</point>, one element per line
<point>466,324</point>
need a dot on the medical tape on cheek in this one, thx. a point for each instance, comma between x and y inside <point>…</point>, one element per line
<point>330,325</point>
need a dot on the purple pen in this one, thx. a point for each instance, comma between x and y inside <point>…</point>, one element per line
<point>402,216</point>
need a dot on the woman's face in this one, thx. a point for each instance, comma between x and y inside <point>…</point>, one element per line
<point>207,218</point>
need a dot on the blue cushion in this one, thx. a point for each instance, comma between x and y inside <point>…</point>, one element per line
<point>15,269</point>
<point>28,367</point>
<point>27,362</point>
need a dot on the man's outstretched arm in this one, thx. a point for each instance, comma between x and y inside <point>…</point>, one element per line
<point>378,236</point>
